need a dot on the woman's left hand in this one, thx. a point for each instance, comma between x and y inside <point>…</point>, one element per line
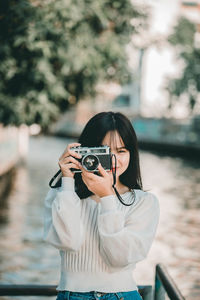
<point>99,185</point>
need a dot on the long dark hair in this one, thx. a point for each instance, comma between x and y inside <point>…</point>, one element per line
<point>93,135</point>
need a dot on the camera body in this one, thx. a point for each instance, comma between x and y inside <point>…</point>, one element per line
<point>92,156</point>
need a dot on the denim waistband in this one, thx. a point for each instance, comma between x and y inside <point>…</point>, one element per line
<point>95,295</point>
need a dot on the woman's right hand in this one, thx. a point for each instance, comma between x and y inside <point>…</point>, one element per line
<point>69,160</point>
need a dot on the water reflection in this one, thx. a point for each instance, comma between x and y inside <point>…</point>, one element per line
<point>176,182</point>
<point>25,258</point>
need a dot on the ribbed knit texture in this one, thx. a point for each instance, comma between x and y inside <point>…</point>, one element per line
<point>99,243</point>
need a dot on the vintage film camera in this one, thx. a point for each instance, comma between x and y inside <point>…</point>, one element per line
<point>92,156</point>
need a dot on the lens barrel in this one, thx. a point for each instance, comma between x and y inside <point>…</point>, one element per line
<point>90,162</point>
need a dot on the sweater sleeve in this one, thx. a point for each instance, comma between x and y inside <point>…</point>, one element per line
<point>127,238</point>
<point>62,222</point>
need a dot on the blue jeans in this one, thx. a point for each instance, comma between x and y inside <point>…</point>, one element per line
<point>66,295</point>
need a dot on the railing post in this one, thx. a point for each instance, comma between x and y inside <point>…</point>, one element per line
<point>165,284</point>
<point>146,292</point>
<point>159,292</point>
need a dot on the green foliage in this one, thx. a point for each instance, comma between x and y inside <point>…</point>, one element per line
<point>53,53</point>
<point>188,84</point>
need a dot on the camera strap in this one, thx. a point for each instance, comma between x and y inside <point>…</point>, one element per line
<point>114,183</point>
<point>52,180</point>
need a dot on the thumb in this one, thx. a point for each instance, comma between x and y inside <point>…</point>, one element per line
<point>102,171</point>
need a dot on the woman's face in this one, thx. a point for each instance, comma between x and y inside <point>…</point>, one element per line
<point>117,146</point>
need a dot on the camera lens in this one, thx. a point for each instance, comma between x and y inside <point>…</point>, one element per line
<point>90,162</point>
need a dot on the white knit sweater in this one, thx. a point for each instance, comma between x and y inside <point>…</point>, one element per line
<point>99,243</point>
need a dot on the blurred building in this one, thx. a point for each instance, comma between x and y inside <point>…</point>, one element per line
<point>130,95</point>
<point>191,10</point>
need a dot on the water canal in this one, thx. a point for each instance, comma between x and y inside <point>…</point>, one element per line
<point>25,258</point>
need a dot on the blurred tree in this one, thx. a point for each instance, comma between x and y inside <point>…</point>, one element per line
<point>54,52</point>
<point>188,52</point>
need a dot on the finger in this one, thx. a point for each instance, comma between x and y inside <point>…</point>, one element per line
<point>72,145</point>
<point>69,159</point>
<point>84,180</point>
<point>81,167</point>
<point>74,154</point>
<point>70,153</point>
<point>65,163</point>
<point>88,179</point>
<point>68,148</point>
<point>70,166</point>
<point>87,173</point>
<point>74,166</point>
<point>102,171</point>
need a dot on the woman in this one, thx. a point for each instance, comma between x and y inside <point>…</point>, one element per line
<point>100,239</point>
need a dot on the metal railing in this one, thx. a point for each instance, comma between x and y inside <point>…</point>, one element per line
<point>50,290</point>
<point>163,284</point>
<point>27,290</point>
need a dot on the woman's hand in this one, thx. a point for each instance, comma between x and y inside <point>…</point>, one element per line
<point>99,185</point>
<point>69,160</point>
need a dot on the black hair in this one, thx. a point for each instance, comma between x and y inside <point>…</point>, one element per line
<point>93,134</point>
